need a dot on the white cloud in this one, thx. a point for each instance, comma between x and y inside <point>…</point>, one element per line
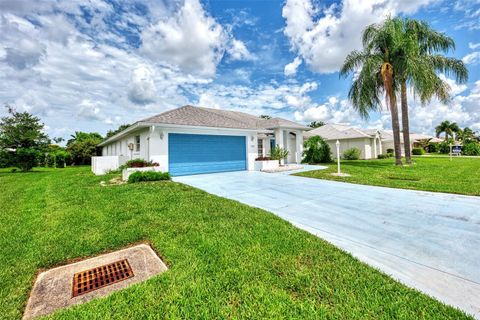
<point>324,42</point>
<point>291,68</point>
<point>189,39</point>
<point>142,86</point>
<point>238,51</point>
<point>473,46</point>
<point>273,98</point>
<point>472,58</point>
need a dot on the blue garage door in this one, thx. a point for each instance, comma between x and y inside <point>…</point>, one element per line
<point>197,153</point>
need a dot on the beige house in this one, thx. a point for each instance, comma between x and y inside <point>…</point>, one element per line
<point>368,141</point>
<point>371,142</point>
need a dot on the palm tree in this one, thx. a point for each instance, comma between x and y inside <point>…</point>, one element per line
<point>416,65</point>
<point>375,76</point>
<point>448,128</point>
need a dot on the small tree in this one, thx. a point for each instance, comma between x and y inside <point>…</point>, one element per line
<point>316,124</point>
<point>22,138</point>
<point>278,153</point>
<point>26,158</point>
<point>316,151</point>
<point>265,117</point>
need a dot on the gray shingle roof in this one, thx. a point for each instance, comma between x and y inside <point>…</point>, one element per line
<point>338,131</point>
<point>207,117</point>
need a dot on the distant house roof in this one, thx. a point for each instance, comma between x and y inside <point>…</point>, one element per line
<point>215,118</point>
<point>340,131</point>
<point>219,118</point>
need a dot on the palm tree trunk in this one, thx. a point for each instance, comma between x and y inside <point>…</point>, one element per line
<point>396,130</point>
<point>405,125</point>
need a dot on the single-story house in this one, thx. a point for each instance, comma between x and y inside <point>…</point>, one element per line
<point>193,140</point>
<point>368,141</point>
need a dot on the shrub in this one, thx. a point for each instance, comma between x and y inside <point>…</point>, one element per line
<point>316,151</point>
<point>433,147</point>
<point>278,153</point>
<point>140,163</point>
<point>390,150</point>
<point>418,151</point>
<point>471,149</point>
<point>383,156</point>
<point>390,154</point>
<point>140,176</point>
<point>352,154</point>
<point>26,158</point>
<point>444,147</point>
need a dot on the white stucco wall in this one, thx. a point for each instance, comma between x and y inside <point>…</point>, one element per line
<point>154,143</point>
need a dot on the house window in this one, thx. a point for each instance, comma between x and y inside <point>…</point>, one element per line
<point>137,143</point>
<point>260,147</point>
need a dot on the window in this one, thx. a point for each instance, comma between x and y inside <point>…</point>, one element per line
<point>260,147</point>
<point>137,143</point>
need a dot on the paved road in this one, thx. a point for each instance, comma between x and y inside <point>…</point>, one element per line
<point>430,241</point>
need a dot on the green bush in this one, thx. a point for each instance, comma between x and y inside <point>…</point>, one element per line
<point>390,150</point>
<point>471,149</point>
<point>444,147</point>
<point>26,158</point>
<point>418,151</point>
<point>433,147</point>
<point>140,176</point>
<point>316,151</point>
<point>352,154</point>
<point>384,156</point>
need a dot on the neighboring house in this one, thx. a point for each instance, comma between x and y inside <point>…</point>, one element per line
<point>371,142</point>
<point>193,140</point>
<point>368,141</point>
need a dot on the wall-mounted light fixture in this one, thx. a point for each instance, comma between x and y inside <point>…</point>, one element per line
<point>161,135</point>
<point>252,138</point>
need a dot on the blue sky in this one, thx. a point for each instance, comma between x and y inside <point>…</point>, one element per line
<point>93,65</point>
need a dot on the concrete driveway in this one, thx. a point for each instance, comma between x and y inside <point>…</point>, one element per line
<point>429,241</point>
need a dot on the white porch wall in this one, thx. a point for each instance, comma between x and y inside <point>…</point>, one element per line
<point>299,146</point>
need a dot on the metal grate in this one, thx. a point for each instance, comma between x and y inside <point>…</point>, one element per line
<point>99,277</point>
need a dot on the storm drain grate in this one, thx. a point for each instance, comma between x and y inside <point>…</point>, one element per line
<point>99,277</point>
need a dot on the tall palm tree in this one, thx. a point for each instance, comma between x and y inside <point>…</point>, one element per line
<point>418,61</point>
<point>448,128</point>
<point>375,74</point>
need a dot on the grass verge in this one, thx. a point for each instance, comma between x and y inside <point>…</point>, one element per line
<point>461,175</point>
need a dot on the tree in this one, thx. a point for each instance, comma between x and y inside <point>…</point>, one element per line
<point>316,124</point>
<point>417,60</point>
<point>22,139</point>
<point>468,135</point>
<point>376,76</point>
<point>265,117</point>
<point>111,133</point>
<point>448,128</point>
<point>83,146</point>
<point>316,150</point>
<point>22,130</point>
<point>81,136</point>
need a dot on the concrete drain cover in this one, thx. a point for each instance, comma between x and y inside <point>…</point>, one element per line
<point>82,281</point>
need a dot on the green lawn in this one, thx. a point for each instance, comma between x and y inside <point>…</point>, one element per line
<point>461,175</point>
<point>227,260</point>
